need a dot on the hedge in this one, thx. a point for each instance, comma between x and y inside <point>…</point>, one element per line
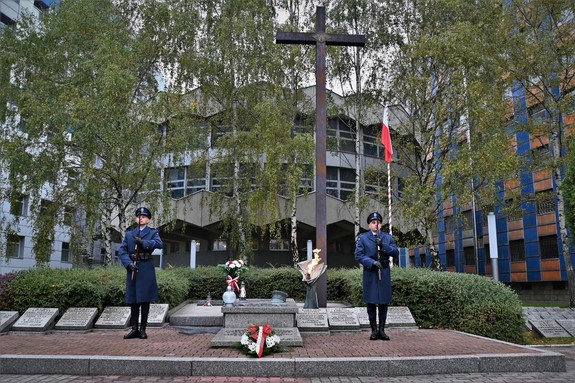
<point>465,302</point>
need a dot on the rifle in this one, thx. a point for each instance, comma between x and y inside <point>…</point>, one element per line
<point>137,250</point>
<point>378,241</point>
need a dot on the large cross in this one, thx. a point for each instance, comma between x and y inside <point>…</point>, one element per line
<point>320,39</point>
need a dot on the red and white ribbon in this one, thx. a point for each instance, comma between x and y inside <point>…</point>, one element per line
<point>233,282</point>
<point>261,343</point>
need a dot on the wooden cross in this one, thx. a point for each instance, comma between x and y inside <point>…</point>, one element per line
<point>320,39</point>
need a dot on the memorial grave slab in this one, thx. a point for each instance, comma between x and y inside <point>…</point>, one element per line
<point>113,317</point>
<point>342,319</point>
<point>7,319</point>
<point>157,316</point>
<point>400,316</point>
<point>549,328</point>
<point>362,317</point>
<point>36,319</point>
<point>568,325</point>
<point>228,337</point>
<point>312,320</point>
<point>77,318</point>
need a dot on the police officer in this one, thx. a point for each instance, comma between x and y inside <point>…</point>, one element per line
<point>373,250</point>
<point>136,256</point>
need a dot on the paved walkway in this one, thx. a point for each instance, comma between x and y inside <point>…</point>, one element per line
<point>169,355</point>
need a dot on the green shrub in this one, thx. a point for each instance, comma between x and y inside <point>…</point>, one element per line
<point>465,302</point>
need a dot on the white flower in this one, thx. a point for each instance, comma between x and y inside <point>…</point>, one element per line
<point>245,340</point>
<point>272,341</point>
<point>252,347</point>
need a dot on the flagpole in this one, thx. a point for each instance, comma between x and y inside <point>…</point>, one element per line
<point>389,196</point>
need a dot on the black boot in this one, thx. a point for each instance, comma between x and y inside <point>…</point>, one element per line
<point>381,333</point>
<point>134,333</point>
<point>373,335</point>
<point>143,334</point>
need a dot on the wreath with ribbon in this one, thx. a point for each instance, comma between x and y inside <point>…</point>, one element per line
<point>260,340</point>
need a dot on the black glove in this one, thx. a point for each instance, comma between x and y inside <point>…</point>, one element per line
<point>139,241</point>
<point>133,257</point>
<point>131,267</point>
<point>377,264</point>
<point>377,241</point>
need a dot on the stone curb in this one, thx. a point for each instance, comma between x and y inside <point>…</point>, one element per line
<point>543,361</point>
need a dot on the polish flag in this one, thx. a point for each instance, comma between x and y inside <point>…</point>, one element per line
<point>386,137</point>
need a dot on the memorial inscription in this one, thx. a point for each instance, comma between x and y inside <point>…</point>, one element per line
<point>77,318</point>
<point>7,318</point>
<point>36,319</point>
<point>114,317</point>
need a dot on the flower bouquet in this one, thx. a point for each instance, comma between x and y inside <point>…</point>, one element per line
<point>234,269</point>
<point>260,340</point>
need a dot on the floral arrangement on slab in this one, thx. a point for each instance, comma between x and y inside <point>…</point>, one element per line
<point>234,269</point>
<point>260,340</point>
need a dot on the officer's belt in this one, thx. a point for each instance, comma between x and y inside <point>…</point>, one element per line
<point>144,257</point>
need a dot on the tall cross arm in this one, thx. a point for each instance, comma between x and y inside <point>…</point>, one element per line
<point>314,38</point>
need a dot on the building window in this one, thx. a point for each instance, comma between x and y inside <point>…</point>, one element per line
<point>65,254</point>
<point>517,250</point>
<point>469,253</point>
<point>19,205</point>
<point>340,182</point>
<point>450,257</point>
<point>344,133</point>
<point>467,220</point>
<point>14,246</point>
<point>279,244</point>
<point>220,245</point>
<point>545,202</point>
<point>548,247</point>
<point>185,180</point>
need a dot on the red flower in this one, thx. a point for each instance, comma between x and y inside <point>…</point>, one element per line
<point>268,329</point>
<point>252,329</point>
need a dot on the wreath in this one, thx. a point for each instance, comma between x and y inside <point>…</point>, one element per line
<point>260,340</point>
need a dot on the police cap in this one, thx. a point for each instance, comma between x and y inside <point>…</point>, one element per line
<point>374,216</point>
<point>143,211</point>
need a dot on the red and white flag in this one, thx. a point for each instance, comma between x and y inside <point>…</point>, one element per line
<point>386,137</point>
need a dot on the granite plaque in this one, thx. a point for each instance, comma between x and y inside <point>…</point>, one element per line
<point>568,325</point>
<point>7,318</point>
<point>399,316</point>
<point>77,318</point>
<point>342,319</point>
<point>36,319</point>
<point>113,318</point>
<point>312,320</point>
<point>157,314</point>
<point>549,328</point>
<point>361,313</point>
<point>226,337</point>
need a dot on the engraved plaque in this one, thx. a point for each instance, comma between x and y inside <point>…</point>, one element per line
<point>342,319</point>
<point>399,316</point>
<point>549,328</point>
<point>568,325</point>
<point>113,317</point>
<point>157,314</point>
<point>7,318</point>
<point>77,318</point>
<point>36,319</point>
<point>311,320</point>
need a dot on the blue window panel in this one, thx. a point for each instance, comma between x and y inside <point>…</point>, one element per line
<point>530,234</point>
<point>504,277</point>
<point>504,265</point>
<point>503,251</point>
<point>502,237</point>
<point>441,246</point>
<point>482,266</point>
<point>529,222</point>
<point>533,264</point>
<point>532,249</point>
<point>523,143</point>
<point>526,182</point>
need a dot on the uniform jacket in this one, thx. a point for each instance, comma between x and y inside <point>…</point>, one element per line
<point>143,287</point>
<point>375,291</point>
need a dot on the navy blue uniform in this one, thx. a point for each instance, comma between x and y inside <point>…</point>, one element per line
<point>143,287</point>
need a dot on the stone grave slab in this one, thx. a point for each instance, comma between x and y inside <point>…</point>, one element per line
<point>158,312</point>
<point>77,318</point>
<point>113,317</point>
<point>549,328</point>
<point>260,311</point>
<point>7,318</point>
<point>36,319</point>
<point>312,320</point>
<point>399,316</point>
<point>342,319</point>
<point>362,317</point>
<point>228,337</point>
<point>568,325</point>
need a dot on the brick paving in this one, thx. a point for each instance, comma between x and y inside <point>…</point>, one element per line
<point>169,342</point>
